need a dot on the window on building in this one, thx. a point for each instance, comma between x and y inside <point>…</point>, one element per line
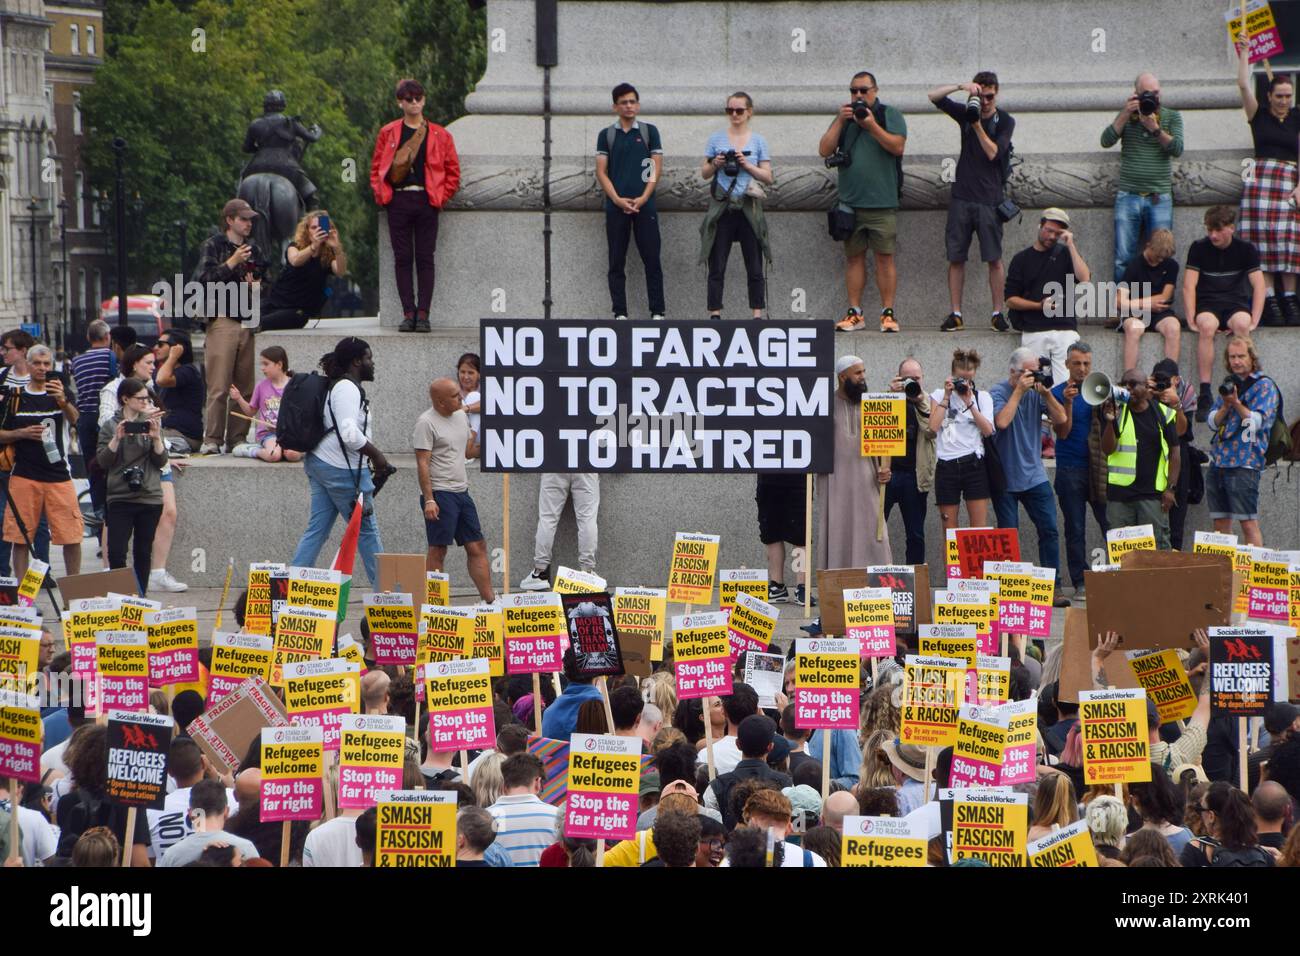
<point>79,291</point>
<point>90,40</point>
<point>94,208</point>
<point>75,39</point>
<point>76,113</point>
<point>81,200</point>
<point>99,293</point>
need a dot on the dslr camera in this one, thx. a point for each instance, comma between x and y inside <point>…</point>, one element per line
<point>974,106</point>
<point>1044,374</point>
<point>731,162</point>
<point>1148,102</point>
<point>1229,385</point>
<point>838,159</point>
<point>911,387</point>
<point>134,478</point>
<point>961,385</point>
<point>1161,382</point>
<point>860,109</point>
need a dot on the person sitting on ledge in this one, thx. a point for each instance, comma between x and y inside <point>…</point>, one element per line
<point>301,290</point>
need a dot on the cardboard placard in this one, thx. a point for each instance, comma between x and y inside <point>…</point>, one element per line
<point>401,572</point>
<point>225,732</point>
<point>1076,659</point>
<point>1158,598</point>
<point>832,583</point>
<point>976,546</point>
<point>98,584</point>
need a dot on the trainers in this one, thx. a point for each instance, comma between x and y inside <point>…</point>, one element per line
<point>1060,600</point>
<point>422,322</point>
<point>887,321</point>
<point>813,629</point>
<point>1203,402</point>
<point>408,322</point>
<point>999,323</point>
<point>620,318</point>
<point>799,596</point>
<point>209,448</point>
<point>1080,595</point>
<point>777,593</point>
<point>1290,309</point>
<point>1272,317</point>
<point>851,322</point>
<point>160,580</point>
<point>952,324</point>
<point>537,580</point>
<point>657,317</point>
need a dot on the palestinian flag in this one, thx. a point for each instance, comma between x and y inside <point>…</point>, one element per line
<point>346,555</point>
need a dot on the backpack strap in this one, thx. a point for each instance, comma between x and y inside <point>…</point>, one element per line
<point>807,857</point>
<point>610,132</point>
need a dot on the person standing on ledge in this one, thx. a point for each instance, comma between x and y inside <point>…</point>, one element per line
<point>850,495</point>
<point>413,173</point>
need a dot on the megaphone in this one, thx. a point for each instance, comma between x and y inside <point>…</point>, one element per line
<point>1097,389</point>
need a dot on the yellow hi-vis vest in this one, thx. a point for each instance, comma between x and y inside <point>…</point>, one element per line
<point>1122,463</point>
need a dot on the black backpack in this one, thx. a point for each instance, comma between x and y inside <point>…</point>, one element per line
<point>301,422</point>
<point>1245,856</point>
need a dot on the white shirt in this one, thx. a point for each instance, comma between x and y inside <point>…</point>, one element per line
<point>171,824</point>
<point>473,398</point>
<point>108,404</point>
<point>726,754</point>
<point>52,759</point>
<point>792,855</point>
<point>344,402</point>
<point>959,436</point>
<point>37,836</point>
<point>333,843</point>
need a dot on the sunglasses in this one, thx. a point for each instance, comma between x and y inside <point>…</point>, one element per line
<point>736,110</point>
<point>861,89</point>
<point>988,97</point>
<point>409,99</point>
<point>1134,383</point>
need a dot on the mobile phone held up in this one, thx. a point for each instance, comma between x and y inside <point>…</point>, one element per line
<point>325,224</point>
<point>136,428</point>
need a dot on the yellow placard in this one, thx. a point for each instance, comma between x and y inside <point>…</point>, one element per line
<point>731,583</point>
<point>393,617</point>
<point>1069,846</point>
<point>882,841</point>
<point>292,759</point>
<point>171,635</point>
<point>20,724</point>
<point>1164,678</point>
<point>884,427</point>
<point>313,692</point>
<point>604,772</point>
<point>370,747</point>
<point>301,634</point>
<point>122,659</point>
<point>827,671</point>
<point>693,566</point>
<point>992,679</point>
<point>257,608</point>
<point>643,612</point>
<point>752,622</point>
<point>965,648</point>
<point>240,662</point>
<point>457,691</point>
<point>1120,541</point>
<point>437,588</point>
<point>19,654</point>
<point>990,827</point>
<point>933,689</point>
<point>316,588</point>
<point>697,643</point>
<point>132,610</point>
<point>1113,724</point>
<point>489,630</point>
<point>569,581</point>
<point>978,739</point>
<point>30,586</point>
<point>1241,567</point>
<point>81,626</point>
<point>965,607</point>
<point>446,634</point>
<point>350,651</point>
<point>415,835</point>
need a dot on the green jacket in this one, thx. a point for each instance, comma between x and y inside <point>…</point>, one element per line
<point>926,457</point>
<point>753,210</point>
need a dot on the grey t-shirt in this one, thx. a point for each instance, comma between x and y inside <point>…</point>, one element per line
<point>191,848</point>
<point>446,438</point>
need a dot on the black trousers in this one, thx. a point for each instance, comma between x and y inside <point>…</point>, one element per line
<point>277,320</point>
<point>620,230</point>
<point>1178,513</point>
<point>413,231</point>
<point>127,520</point>
<point>734,227</point>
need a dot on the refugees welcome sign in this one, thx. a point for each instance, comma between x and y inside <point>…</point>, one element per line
<point>588,396</point>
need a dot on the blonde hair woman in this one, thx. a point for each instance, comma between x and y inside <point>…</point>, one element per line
<point>1054,804</point>
<point>314,256</point>
<point>487,781</point>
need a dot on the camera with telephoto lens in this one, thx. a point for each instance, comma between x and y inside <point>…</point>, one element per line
<point>1228,386</point>
<point>973,108</point>
<point>860,110</point>
<point>1148,102</point>
<point>1044,374</point>
<point>731,162</point>
<point>134,478</point>
<point>961,385</point>
<point>911,387</point>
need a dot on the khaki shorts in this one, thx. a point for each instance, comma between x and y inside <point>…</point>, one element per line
<point>874,229</point>
<point>56,499</point>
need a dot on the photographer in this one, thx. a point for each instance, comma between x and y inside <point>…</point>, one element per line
<point>911,474</point>
<point>132,454</point>
<point>864,144</point>
<point>961,417</point>
<point>1140,441</point>
<point>1080,480</point>
<point>1151,138</point>
<point>1019,404</point>
<point>1036,288</point>
<point>736,160</point>
<point>1242,417</point>
<point>300,292</point>
<point>228,347</point>
<point>982,170</point>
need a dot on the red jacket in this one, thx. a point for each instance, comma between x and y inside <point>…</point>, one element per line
<point>441,165</point>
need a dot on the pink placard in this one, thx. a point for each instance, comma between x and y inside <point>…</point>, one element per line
<point>991,642</point>
<point>973,773</point>
<point>178,666</point>
<point>393,647</point>
<point>591,815</point>
<point>825,708</point>
<point>878,640</point>
<point>468,729</point>
<point>1018,765</point>
<point>20,759</point>
<point>740,643</point>
<point>292,798</point>
<point>360,786</point>
<point>535,655</point>
<point>83,668</point>
<point>1265,44</point>
<point>1013,616</point>
<point>1269,604</point>
<point>703,677</point>
<point>330,720</point>
<point>123,693</point>
<point>1040,621</point>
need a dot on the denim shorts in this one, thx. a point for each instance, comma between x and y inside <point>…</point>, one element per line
<point>1232,493</point>
<point>457,520</point>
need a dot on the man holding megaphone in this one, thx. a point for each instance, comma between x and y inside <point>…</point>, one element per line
<point>1080,479</point>
<point>1140,439</point>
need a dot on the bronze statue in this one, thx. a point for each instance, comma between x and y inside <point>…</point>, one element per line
<point>273,182</point>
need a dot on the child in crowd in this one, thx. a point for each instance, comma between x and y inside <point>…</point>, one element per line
<point>264,409</point>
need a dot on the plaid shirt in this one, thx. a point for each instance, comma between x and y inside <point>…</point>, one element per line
<point>1228,449</point>
<point>213,254</point>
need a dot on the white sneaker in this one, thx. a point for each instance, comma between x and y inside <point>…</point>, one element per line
<point>209,448</point>
<point>245,450</point>
<point>160,580</point>
<point>535,582</point>
<point>620,318</point>
<point>656,317</point>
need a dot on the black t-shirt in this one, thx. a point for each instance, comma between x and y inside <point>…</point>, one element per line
<point>1146,427</point>
<point>1159,276</point>
<point>184,402</point>
<point>30,459</point>
<point>1274,139</point>
<point>1223,272</point>
<point>1029,272</point>
<point>300,287</point>
<point>979,179</point>
<point>416,176</point>
<point>907,461</point>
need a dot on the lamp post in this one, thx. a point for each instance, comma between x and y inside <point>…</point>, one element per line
<point>182,226</point>
<point>119,149</point>
<point>32,207</point>
<point>65,295</point>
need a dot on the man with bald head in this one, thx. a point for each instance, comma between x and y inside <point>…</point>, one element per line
<point>443,441</point>
<point>1150,137</point>
<point>1273,813</point>
<point>1139,438</point>
<point>912,473</point>
<point>836,807</point>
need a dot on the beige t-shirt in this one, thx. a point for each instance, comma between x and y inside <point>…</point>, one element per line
<point>446,438</point>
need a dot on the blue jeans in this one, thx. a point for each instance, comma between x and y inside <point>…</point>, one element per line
<point>1041,505</point>
<point>334,493</point>
<point>1136,216</point>
<point>901,491</point>
<point>1072,495</point>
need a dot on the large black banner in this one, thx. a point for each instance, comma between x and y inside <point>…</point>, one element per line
<point>572,395</point>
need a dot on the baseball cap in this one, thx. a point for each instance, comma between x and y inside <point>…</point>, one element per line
<point>1057,214</point>
<point>236,207</point>
<point>754,735</point>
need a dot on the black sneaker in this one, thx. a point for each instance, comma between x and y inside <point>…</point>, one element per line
<point>408,323</point>
<point>777,593</point>
<point>422,322</point>
<point>952,324</point>
<point>1291,310</point>
<point>799,596</point>
<point>1272,316</point>
<point>999,323</point>
<point>1203,402</point>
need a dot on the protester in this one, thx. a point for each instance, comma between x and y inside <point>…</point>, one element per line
<point>911,475</point>
<point>1242,417</point>
<point>1268,196</point>
<point>1281,723</point>
<point>133,462</point>
<point>1140,440</point>
<point>754,741</point>
<point>625,152</point>
<point>961,417</point>
<point>1080,468</point>
<point>40,483</point>
<point>467,376</point>
<point>1160,807</point>
<point>525,825</point>
<point>87,805</point>
<point>333,842</point>
<point>837,806</point>
<point>474,834</point>
<point>443,441</point>
<point>1107,819</point>
<point>1151,138</point>
<point>1149,845</point>
<point>209,810</point>
<point>677,839</point>
<point>1055,805</point>
<point>850,533</point>
<point>1274,813</point>
<point>978,190</point>
<point>335,470</point>
<point>265,406</point>
<point>310,260</point>
<point>1019,404</point>
<point>845,756</point>
<point>742,703</point>
<point>1223,291</point>
<point>1233,839</point>
<point>908,763</point>
<point>180,389</point>
<point>227,257</point>
<point>553,492</point>
<point>414,171</point>
<point>91,371</point>
<point>769,810</point>
<point>735,211</point>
